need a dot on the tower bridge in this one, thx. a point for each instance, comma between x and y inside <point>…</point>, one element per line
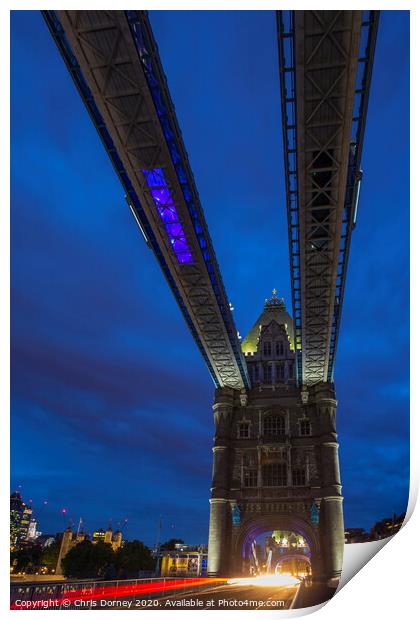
<point>275,464</point>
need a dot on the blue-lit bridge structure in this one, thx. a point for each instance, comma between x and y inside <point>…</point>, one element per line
<point>325,68</point>
<point>114,62</point>
<point>326,61</point>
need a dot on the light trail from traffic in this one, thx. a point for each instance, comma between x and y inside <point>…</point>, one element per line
<point>127,590</point>
<point>281,580</point>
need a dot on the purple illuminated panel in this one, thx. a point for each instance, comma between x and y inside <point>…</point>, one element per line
<point>165,206</point>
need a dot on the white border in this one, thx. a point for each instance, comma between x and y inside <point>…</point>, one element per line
<point>388,584</point>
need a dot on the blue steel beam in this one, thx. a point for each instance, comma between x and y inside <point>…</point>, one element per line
<point>114,62</point>
<point>318,264</point>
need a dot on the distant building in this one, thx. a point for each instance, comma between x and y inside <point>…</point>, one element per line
<point>113,539</point>
<point>186,547</point>
<point>32,532</point>
<point>45,540</point>
<point>20,521</point>
<point>16,512</point>
<point>70,540</point>
<point>25,522</point>
<point>355,535</point>
<point>98,535</point>
<point>183,563</point>
<point>387,527</point>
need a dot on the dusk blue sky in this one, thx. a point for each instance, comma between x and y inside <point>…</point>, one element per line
<point>111,400</point>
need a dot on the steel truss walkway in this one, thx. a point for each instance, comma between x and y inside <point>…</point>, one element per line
<point>326,60</point>
<point>113,59</point>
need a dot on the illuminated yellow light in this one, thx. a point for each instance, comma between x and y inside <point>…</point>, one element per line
<point>283,579</point>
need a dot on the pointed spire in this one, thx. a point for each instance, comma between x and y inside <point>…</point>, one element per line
<point>275,301</point>
<point>274,309</point>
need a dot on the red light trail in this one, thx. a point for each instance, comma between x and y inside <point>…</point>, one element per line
<point>132,589</point>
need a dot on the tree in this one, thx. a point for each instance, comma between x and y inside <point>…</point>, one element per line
<point>87,560</point>
<point>169,545</point>
<point>134,556</point>
<point>26,559</point>
<point>49,555</point>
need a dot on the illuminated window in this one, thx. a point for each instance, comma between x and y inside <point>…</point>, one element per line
<point>244,430</point>
<point>304,427</point>
<point>267,348</point>
<point>299,477</point>
<point>250,478</point>
<point>274,425</point>
<point>275,475</point>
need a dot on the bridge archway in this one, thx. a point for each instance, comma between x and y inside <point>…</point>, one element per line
<point>244,535</point>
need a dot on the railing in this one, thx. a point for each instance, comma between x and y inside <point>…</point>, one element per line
<point>94,594</point>
<point>285,29</point>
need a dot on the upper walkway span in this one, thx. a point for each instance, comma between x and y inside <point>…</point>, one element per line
<point>114,61</point>
<point>326,60</point>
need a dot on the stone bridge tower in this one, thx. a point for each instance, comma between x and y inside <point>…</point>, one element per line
<point>275,463</point>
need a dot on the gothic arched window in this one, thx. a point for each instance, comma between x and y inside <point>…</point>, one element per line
<point>274,425</point>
